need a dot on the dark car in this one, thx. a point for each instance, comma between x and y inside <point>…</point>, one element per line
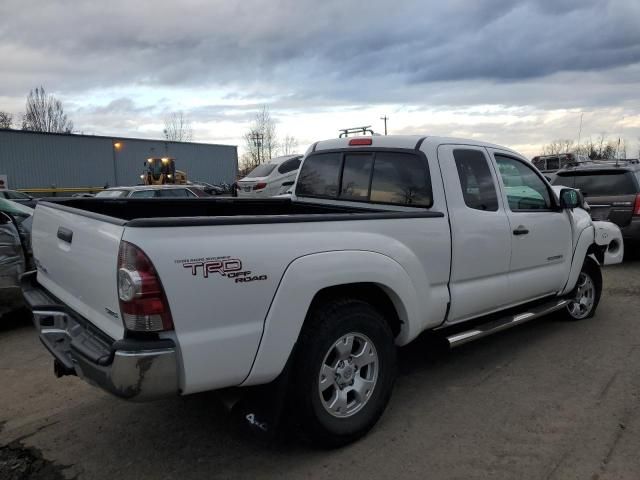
<point>19,197</point>
<point>612,190</point>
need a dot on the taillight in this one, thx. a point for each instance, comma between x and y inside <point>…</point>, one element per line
<point>636,205</point>
<point>143,304</point>
<point>259,186</point>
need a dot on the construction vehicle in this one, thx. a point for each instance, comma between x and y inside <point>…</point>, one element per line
<point>162,171</point>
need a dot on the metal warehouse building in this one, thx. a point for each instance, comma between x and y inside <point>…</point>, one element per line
<point>33,160</point>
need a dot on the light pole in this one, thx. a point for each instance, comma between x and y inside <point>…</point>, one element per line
<point>115,146</point>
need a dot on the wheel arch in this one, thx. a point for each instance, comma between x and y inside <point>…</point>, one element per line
<point>370,276</point>
<point>584,249</point>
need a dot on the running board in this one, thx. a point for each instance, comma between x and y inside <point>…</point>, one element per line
<point>504,323</point>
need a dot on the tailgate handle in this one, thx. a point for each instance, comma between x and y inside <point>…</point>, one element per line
<point>65,234</point>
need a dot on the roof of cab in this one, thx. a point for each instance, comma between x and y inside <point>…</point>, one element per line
<point>402,141</point>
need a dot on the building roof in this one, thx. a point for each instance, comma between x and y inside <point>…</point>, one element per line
<point>112,137</point>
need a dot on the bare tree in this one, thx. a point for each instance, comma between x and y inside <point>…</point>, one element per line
<point>558,146</point>
<point>289,145</point>
<point>6,119</point>
<point>177,128</point>
<point>261,143</point>
<point>44,113</point>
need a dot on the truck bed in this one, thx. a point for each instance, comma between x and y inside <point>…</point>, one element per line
<point>144,212</point>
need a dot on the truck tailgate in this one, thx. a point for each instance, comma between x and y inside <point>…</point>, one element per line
<point>77,259</point>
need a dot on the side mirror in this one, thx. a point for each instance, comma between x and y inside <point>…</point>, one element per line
<point>569,198</point>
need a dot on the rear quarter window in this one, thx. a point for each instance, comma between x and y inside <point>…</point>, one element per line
<point>602,184</point>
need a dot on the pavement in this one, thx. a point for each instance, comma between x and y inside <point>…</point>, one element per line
<point>547,400</point>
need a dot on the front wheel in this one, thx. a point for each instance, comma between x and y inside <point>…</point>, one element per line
<point>344,371</point>
<point>586,294</point>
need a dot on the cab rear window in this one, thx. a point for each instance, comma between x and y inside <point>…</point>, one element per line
<point>388,177</point>
<point>603,183</point>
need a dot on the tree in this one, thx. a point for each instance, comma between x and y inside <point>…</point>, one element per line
<point>177,128</point>
<point>289,145</point>
<point>558,146</point>
<point>6,119</point>
<point>261,143</point>
<point>44,113</point>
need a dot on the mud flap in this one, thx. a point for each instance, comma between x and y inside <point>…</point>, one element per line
<point>263,409</point>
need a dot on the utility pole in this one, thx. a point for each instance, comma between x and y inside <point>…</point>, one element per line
<point>258,139</point>
<point>385,118</point>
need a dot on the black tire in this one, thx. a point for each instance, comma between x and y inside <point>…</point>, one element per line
<point>590,271</point>
<point>325,325</point>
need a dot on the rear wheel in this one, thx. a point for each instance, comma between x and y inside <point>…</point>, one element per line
<point>344,371</point>
<point>586,294</point>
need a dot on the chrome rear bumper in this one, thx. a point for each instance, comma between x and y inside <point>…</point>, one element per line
<point>136,370</point>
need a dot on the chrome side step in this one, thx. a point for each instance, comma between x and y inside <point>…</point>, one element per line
<point>504,323</point>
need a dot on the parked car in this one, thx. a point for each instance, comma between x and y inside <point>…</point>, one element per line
<point>549,164</point>
<point>270,179</point>
<point>153,191</point>
<point>221,189</point>
<point>15,252</point>
<point>19,197</point>
<point>612,191</point>
<point>384,238</point>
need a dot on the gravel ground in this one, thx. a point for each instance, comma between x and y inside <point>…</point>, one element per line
<point>548,400</point>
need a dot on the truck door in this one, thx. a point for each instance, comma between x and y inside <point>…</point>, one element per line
<point>480,231</point>
<point>541,236</point>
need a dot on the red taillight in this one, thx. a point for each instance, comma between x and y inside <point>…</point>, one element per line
<point>259,186</point>
<point>359,141</point>
<point>636,205</point>
<point>143,304</point>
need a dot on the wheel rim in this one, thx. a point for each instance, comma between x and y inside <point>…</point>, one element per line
<point>348,375</point>
<point>582,303</point>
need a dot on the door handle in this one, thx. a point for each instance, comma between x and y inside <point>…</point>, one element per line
<point>65,234</point>
<point>520,231</point>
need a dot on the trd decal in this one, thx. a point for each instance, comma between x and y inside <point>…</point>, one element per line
<point>222,266</point>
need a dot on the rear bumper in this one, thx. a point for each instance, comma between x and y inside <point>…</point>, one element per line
<point>138,370</point>
<point>632,231</point>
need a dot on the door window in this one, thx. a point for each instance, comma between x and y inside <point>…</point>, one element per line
<point>525,190</point>
<point>143,194</point>
<point>401,179</point>
<point>173,193</point>
<point>289,165</point>
<point>478,189</point>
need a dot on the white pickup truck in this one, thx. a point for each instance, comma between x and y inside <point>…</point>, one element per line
<point>384,238</point>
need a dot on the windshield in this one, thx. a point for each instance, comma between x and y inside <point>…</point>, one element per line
<point>600,183</point>
<point>14,208</point>
<point>111,193</point>
<point>262,170</point>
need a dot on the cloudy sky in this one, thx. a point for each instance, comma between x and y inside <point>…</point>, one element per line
<point>518,73</point>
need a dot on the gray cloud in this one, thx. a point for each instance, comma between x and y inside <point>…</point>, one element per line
<point>329,56</point>
<point>302,46</point>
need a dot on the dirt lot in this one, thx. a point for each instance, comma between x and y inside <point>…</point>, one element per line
<point>547,400</point>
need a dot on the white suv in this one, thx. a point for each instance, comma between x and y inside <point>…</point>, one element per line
<point>271,179</point>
